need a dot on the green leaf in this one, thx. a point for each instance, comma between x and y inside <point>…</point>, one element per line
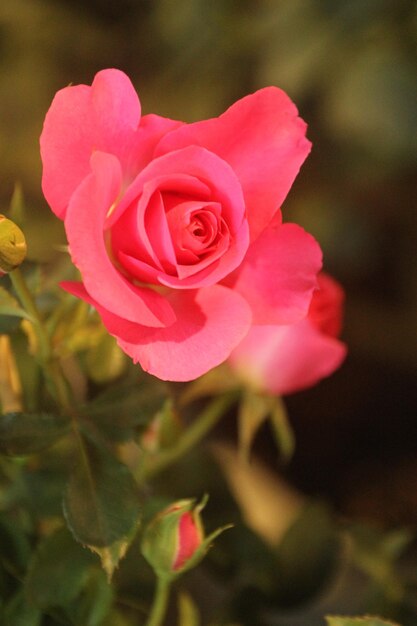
<point>357,621</point>
<point>9,324</point>
<point>41,488</point>
<point>16,210</point>
<point>307,555</point>
<point>10,306</point>
<point>375,552</point>
<point>111,555</point>
<point>217,381</point>
<point>253,411</point>
<point>119,410</point>
<point>187,610</point>
<point>101,502</point>
<point>19,612</point>
<point>284,435</point>
<point>116,618</point>
<point>26,433</point>
<point>14,545</point>
<point>105,361</point>
<point>94,603</point>
<point>58,571</point>
<point>10,312</point>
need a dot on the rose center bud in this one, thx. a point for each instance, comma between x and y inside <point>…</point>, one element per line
<point>195,229</point>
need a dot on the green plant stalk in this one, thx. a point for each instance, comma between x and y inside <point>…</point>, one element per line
<point>194,434</point>
<point>159,604</point>
<point>47,361</point>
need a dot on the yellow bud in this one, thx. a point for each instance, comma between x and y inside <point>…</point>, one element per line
<point>12,245</point>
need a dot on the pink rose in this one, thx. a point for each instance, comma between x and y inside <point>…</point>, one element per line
<point>176,228</point>
<point>284,359</point>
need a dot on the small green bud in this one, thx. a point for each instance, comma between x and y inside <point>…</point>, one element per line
<point>174,541</point>
<point>12,245</point>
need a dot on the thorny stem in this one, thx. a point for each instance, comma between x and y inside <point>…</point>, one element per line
<point>193,435</point>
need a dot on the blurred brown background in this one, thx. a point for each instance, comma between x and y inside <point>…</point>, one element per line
<point>351,67</point>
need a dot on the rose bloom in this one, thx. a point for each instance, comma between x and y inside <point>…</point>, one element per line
<point>176,228</point>
<point>284,359</point>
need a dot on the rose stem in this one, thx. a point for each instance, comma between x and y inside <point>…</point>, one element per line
<point>160,603</point>
<point>193,435</point>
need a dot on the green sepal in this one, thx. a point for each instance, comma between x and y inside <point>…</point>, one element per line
<point>254,409</point>
<point>26,433</point>
<point>281,427</point>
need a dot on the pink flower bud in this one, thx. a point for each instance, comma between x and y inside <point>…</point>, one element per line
<point>174,541</point>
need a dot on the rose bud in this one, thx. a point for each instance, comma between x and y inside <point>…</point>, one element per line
<point>174,541</point>
<point>12,246</point>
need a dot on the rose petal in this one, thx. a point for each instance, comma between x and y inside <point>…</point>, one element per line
<point>285,359</point>
<point>205,168</point>
<point>326,308</point>
<point>82,119</point>
<point>156,226</point>
<point>210,323</point>
<point>263,139</point>
<point>189,539</point>
<point>84,225</point>
<point>217,270</point>
<point>279,274</point>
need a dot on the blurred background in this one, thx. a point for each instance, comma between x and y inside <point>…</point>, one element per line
<point>351,67</point>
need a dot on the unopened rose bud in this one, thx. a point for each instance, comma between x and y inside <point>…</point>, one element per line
<point>174,541</point>
<point>12,245</point>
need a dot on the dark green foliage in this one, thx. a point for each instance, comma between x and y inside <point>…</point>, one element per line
<point>25,433</point>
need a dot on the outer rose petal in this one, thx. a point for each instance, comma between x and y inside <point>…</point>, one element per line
<point>102,117</point>
<point>84,225</point>
<point>263,139</point>
<point>82,119</point>
<point>210,323</point>
<point>279,274</point>
<point>326,308</point>
<point>285,359</point>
